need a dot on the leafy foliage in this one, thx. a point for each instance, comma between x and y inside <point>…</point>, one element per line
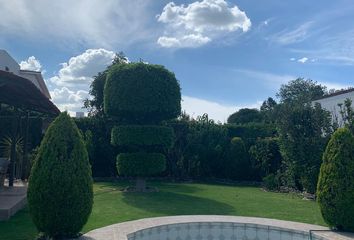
<point>303,134</point>
<point>266,157</point>
<point>301,91</point>
<point>60,194</point>
<point>140,164</point>
<point>238,166</point>
<point>102,154</point>
<point>335,190</point>
<point>139,93</point>
<point>244,116</point>
<point>142,135</point>
<point>94,105</point>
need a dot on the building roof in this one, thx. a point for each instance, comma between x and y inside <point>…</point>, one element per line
<point>7,63</point>
<point>337,93</point>
<point>22,93</point>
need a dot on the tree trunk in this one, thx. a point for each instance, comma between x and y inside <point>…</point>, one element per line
<point>140,185</point>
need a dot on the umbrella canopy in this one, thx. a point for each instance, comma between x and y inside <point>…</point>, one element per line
<point>22,93</point>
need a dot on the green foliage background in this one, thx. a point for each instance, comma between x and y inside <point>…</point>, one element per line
<point>60,194</point>
<point>335,190</point>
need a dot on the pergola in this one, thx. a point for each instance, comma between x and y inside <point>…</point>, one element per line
<point>22,94</point>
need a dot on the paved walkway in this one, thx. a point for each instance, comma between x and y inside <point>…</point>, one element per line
<point>12,200</point>
<point>121,230</point>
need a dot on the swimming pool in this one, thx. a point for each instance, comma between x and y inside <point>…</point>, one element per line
<point>213,227</point>
<point>219,231</point>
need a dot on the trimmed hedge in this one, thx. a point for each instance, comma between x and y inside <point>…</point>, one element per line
<point>141,93</point>
<point>60,194</point>
<point>140,164</point>
<point>142,135</point>
<point>335,189</point>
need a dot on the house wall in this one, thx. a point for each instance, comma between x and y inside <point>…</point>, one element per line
<point>7,61</point>
<point>331,104</point>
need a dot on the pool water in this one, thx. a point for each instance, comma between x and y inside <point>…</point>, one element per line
<point>219,231</point>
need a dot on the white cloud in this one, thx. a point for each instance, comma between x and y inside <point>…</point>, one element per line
<point>91,23</point>
<point>296,35</point>
<point>292,59</point>
<point>80,69</point>
<point>68,100</point>
<point>303,60</point>
<point>191,40</point>
<point>216,111</point>
<point>31,64</point>
<point>206,19</point>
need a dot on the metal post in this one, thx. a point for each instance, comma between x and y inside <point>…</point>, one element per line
<point>13,149</point>
<point>25,164</point>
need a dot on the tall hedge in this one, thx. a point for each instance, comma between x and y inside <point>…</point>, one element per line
<point>60,194</point>
<point>139,97</point>
<point>141,93</point>
<point>335,190</point>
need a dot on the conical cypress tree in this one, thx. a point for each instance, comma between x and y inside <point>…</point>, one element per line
<point>335,190</point>
<point>60,194</point>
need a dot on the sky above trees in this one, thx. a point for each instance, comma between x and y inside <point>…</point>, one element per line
<point>226,54</point>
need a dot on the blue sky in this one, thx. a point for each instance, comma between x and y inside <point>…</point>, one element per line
<point>226,54</point>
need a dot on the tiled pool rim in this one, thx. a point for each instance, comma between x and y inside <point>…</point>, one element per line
<point>121,231</point>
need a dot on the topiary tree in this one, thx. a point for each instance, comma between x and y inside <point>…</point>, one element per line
<point>60,194</point>
<point>335,190</point>
<point>139,97</point>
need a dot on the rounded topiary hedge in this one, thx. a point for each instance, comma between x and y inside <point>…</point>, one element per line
<point>140,164</point>
<point>141,93</point>
<point>335,189</point>
<point>60,194</point>
<point>142,135</point>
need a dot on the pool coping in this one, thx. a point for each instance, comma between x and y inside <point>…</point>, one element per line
<point>120,231</point>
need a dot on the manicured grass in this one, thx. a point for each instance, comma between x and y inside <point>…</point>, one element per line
<point>112,206</point>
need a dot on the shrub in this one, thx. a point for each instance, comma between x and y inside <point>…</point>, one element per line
<point>140,96</point>
<point>265,156</point>
<point>335,190</point>
<point>141,93</point>
<point>142,135</point>
<point>272,181</point>
<point>140,164</point>
<point>238,163</point>
<point>60,192</point>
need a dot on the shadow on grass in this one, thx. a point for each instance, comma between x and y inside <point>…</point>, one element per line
<point>171,203</point>
<point>175,187</point>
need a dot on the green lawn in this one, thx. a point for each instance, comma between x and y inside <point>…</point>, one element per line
<point>112,206</point>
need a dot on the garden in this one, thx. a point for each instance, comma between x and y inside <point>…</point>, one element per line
<point>137,155</point>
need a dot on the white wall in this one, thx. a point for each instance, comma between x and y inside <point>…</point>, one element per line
<point>7,61</point>
<point>331,104</point>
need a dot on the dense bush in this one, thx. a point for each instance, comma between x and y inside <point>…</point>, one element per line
<point>245,116</point>
<point>303,134</point>
<point>141,93</point>
<point>140,164</point>
<point>238,166</point>
<point>60,194</point>
<point>335,190</point>
<point>265,156</point>
<point>207,144</point>
<point>140,96</point>
<point>102,154</point>
<point>272,181</point>
<point>251,132</point>
<point>142,135</point>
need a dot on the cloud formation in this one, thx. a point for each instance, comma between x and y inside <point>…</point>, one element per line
<point>80,69</point>
<point>303,60</point>
<point>90,23</point>
<point>198,23</point>
<point>31,64</point>
<point>68,100</point>
<point>218,112</point>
